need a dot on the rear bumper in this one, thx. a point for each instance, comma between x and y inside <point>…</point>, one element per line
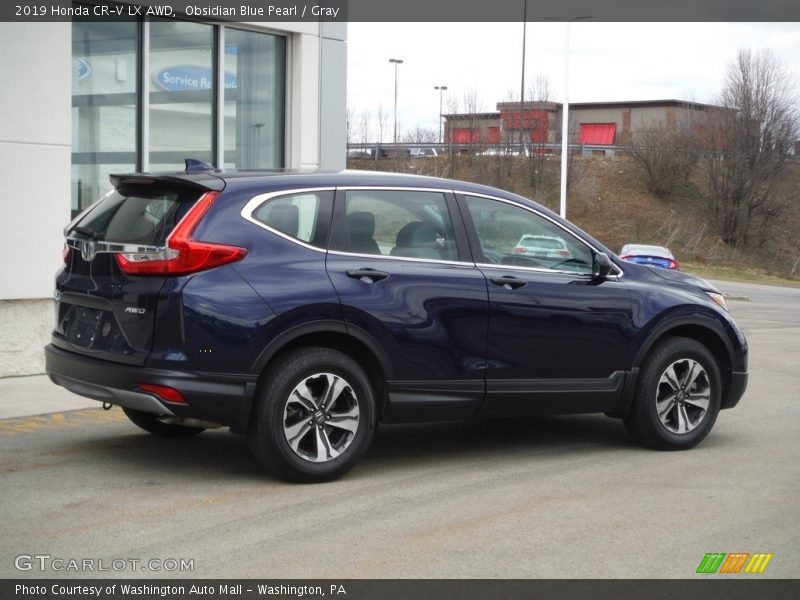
<point>736,391</point>
<point>217,397</point>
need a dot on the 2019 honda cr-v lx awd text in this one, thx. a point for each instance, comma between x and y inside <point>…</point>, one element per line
<point>302,309</point>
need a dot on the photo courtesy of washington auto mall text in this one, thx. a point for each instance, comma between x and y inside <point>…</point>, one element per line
<point>178,590</point>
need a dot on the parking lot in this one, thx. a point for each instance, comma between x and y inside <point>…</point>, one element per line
<point>522,498</point>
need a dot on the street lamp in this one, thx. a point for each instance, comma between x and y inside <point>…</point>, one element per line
<point>396,62</point>
<point>565,114</point>
<point>441,89</point>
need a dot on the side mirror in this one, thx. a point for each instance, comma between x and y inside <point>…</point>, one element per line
<point>602,266</point>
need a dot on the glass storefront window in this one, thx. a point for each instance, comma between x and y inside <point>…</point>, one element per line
<point>104,85</point>
<point>254,99</point>
<point>181,93</point>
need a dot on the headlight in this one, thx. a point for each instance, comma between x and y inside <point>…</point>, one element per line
<point>718,299</point>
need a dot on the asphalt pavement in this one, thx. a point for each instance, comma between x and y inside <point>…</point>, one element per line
<point>517,498</point>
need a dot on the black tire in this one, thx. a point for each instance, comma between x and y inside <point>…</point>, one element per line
<point>279,412</point>
<point>150,423</point>
<point>666,413</point>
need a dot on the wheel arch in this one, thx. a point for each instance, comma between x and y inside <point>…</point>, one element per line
<point>336,335</point>
<point>704,331</point>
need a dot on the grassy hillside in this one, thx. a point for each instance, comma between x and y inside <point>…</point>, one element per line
<point>608,197</point>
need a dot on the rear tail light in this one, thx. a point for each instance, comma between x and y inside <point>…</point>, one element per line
<point>519,250</point>
<point>183,254</point>
<point>673,264</point>
<point>66,253</point>
<point>626,257</point>
<point>564,253</point>
<point>164,392</point>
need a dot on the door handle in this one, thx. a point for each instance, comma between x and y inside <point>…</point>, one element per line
<point>366,275</point>
<point>509,283</point>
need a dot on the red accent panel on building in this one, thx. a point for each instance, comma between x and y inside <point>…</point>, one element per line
<point>465,135</point>
<point>597,134</point>
<point>493,135</point>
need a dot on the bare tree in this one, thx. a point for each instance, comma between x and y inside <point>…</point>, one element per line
<point>350,125</point>
<point>472,108</point>
<point>382,119</point>
<point>364,129</point>
<point>538,124</point>
<point>667,152</point>
<point>420,134</point>
<point>749,140</point>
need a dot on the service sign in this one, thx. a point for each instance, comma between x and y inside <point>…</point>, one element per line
<point>187,78</point>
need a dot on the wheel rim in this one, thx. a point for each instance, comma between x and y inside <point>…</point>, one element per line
<point>321,417</point>
<point>683,396</point>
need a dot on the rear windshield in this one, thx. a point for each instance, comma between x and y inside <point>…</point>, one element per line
<point>137,214</point>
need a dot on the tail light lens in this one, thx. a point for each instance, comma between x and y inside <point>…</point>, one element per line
<point>673,264</point>
<point>626,257</point>
<point>564,253</point>
<point>183,254</point>
<point>66,253</point>
<point>519,250</point>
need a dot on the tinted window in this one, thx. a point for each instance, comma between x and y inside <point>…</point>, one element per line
<point>137,214</point>
<point>510,235</point>
<point>304,217</point>
<point>398,223</point>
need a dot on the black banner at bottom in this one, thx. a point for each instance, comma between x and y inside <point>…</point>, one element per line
<point>400,589</point>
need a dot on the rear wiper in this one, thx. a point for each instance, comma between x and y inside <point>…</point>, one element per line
<point>88,232</point>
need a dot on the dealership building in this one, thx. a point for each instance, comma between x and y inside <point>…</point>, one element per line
<point>87,98</point>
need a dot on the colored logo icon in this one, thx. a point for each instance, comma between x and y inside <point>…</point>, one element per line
<point>735,562</point>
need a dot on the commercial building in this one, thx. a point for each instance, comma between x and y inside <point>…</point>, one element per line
<point>86,98</point>
<point>591,123</point>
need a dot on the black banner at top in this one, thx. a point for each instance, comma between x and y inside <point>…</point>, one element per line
<point>406,10</point>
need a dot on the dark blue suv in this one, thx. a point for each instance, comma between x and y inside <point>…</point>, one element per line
<point>304,308</point>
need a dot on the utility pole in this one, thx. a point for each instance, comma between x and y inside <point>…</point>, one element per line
<point>395,61</point>
<point>441,89</point>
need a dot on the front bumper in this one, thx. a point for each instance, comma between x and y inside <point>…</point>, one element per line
<point>736,391</point>
<point>216,397</point>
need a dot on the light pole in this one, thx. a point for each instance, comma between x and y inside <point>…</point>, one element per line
<point>396,62</point>
<point>441,89</point>
<point>522,85</point>
<point>565,114</point>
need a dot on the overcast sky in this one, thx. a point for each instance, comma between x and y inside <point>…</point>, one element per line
<point>608,61</point>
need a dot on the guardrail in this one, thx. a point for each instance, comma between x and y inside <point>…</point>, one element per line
<point>375,150</point>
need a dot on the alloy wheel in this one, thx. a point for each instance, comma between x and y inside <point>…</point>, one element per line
<point>683,396</point>
<point>321,417</point>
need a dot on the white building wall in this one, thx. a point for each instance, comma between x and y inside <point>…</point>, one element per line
<point>34,155</point>
<point>35,159</point>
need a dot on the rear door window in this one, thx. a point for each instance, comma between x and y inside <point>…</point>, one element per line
<point>411,224</point>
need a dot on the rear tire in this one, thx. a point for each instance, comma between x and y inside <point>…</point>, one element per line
<point>678,396</point>
<point>150,423</point>
<point>315,416</point>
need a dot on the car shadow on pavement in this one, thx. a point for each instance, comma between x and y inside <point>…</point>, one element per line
<point>225,457</point>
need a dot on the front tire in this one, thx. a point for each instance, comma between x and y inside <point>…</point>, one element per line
<point>151,423</point>
<point>678,396</point>
<point>315,416</point>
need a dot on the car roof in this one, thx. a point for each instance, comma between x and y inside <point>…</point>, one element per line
<point>280,179</point>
